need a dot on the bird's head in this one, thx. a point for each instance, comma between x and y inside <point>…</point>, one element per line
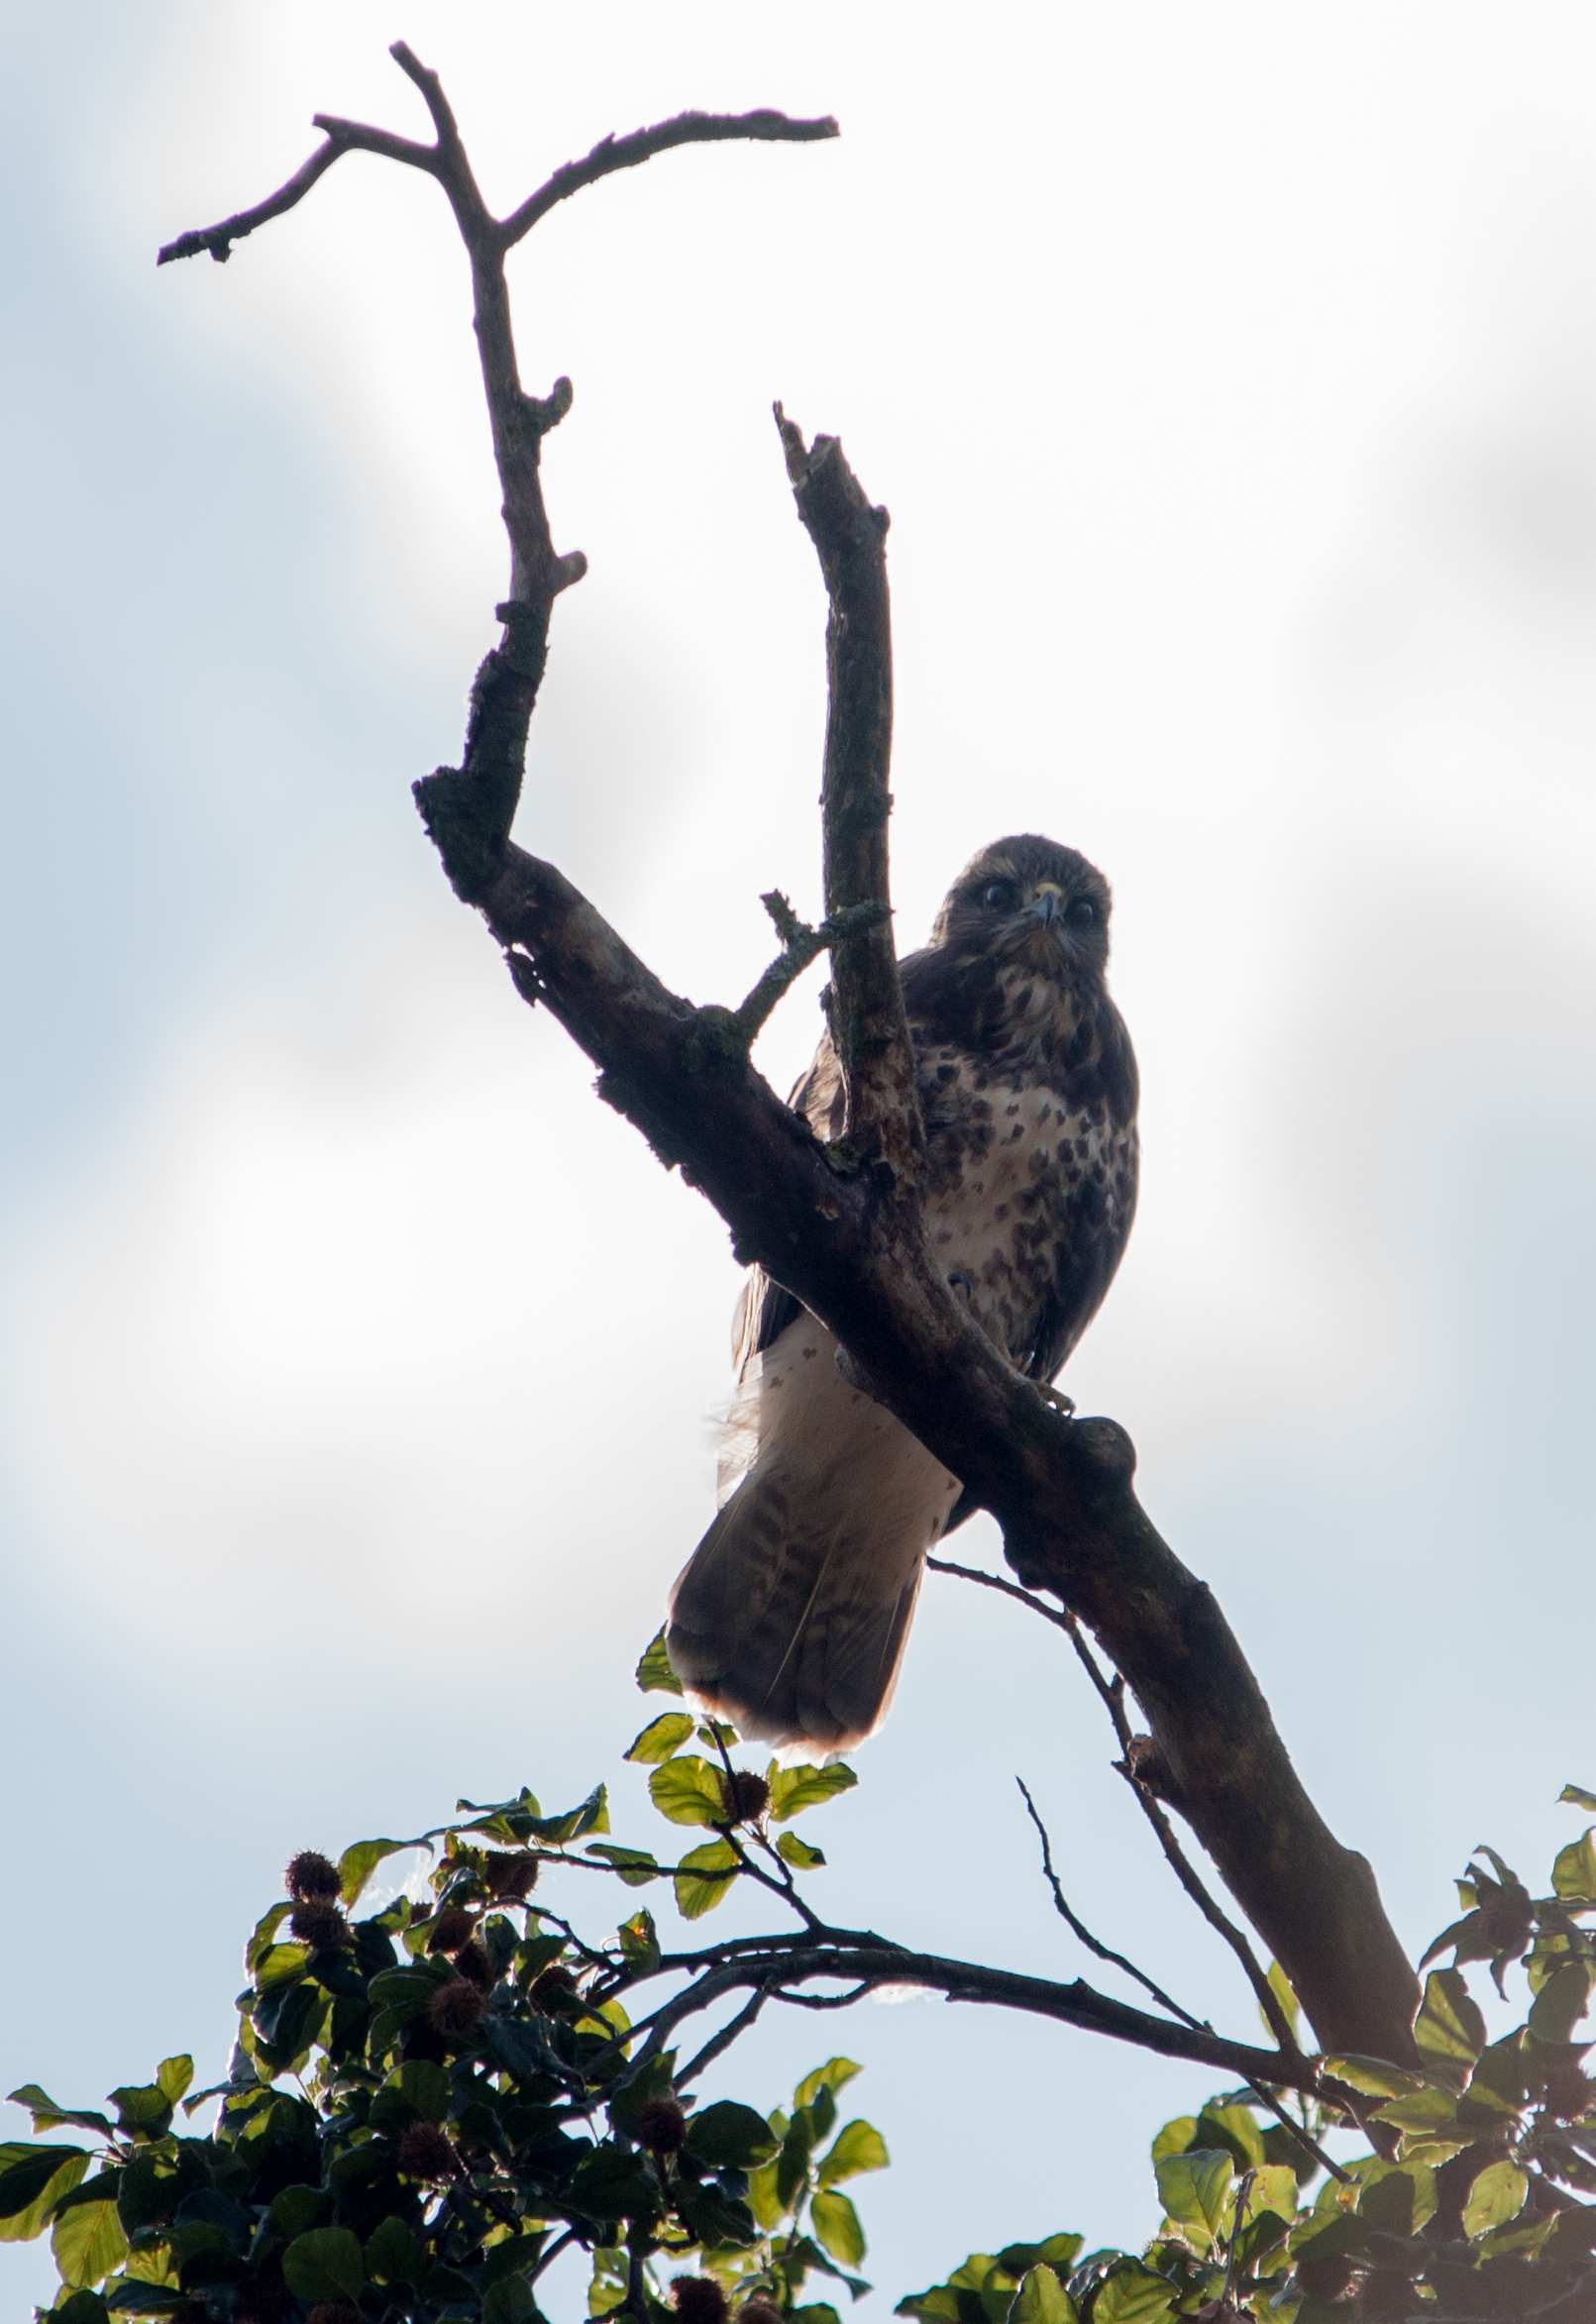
<point>1029,902</point>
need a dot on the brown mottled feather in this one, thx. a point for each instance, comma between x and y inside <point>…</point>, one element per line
<point>791,1616</point>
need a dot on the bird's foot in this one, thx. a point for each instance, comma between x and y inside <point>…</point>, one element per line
<point>1059,1401</point>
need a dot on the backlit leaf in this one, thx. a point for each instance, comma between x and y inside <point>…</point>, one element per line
<point>661,1738</point>
<point>1496,2196</point>
<point>837,2225</point>
<point>1193,2189</point>
<point>793,1789</point>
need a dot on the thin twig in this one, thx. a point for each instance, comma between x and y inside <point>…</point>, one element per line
<point>801,945</point>
<point>1093,1944</point>
<point>718,2043</point>
<point>342,137</point>
<point>1111,1696</point>
<point>624,153</point>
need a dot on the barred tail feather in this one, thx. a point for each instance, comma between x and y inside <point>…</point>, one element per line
<point>791,1616</point>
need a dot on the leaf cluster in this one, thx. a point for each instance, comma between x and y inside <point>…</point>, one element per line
<point>431,2102</point>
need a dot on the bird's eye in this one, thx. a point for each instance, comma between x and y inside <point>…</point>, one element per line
<point>998,895</point>
<point>1081,911</point>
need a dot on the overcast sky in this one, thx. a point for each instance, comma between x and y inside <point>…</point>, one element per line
<point>1231,375</point>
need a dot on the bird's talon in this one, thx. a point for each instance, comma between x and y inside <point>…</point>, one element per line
<point>1060,1402</point>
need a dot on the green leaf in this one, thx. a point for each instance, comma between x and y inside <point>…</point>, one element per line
<point>640,1943</point>
<point>392,2254</point>
<point>1193,2189</point>
<point>1496,2196</point>
<point>858,2147</point>
<point>1233,2127</point>
<point>727,2133</point>
<point>793,1789</point>
<point>325,2264</point>
<point>278,1964</point>
<point>1449,2029</point>
<point>688,1791</point>
<point>1562,2002</point>
<point>797,1853</point>
<point>1043,2300</point>
<point>1400,2197</point>
<point>1576,1798</point>
<point>1175,2137</point>
<point>662,1739</point>
<point>589,1815</point>
<point>30,2180</point>
<point>294,2209</point>
<point>836,2224</point>
<point>793,2163</point>
<point>1133,2295</point>
<point>143,2110</point>
<point>80,2307</point>
<point>612,2184</point>
<point>1273,2188</point>
<point>1280,1985</point>
<point>634,1865</point>
<point>88,2243</point>
<point>1371,2076</point>
<point>172,2077</point>
<point>49,2116</point>
<point>510,2301</point>
<point>653,1673</point>
<point>835,2075</point>
<point>139,2298</point>
<point>1573,1872</point>
<point>356,1864</point>
<point>703,1877</point>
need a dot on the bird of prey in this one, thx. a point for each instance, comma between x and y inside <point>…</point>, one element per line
<point>790,1616</point>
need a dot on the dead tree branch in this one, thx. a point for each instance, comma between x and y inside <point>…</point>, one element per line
<point>846,1240</point>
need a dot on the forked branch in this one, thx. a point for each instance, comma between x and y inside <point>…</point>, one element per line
<point>847,1240</point>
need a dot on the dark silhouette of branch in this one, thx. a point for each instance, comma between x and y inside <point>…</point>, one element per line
<point>1132,1764</point>
<point>624,153</point>
<point>801,944</point>
<point>840,1955</point>
<point>845,1238</point>
<point>868,1023</point>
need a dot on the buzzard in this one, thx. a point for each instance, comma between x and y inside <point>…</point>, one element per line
<point>790,1615</point>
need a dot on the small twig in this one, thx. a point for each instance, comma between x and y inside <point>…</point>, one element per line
<point>828,2000</point>
<point>552,2252</point>
<point>624,153</point>
<point>1111,1695</point>
<point>718,2043</point>
<point>342,137</point>
<point>1078,1926</point>
<point>1243,2196</point>
<point>801,945</point>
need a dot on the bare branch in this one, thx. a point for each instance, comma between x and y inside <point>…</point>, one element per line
<point>831,1233</point>
<point>1079,1928</point>
<point>839,1956</point>
<point>624,153</point>
<point>1110,1693</point>
<point>801,944</point>
<point>868,1023</point>
<point>342,137</point>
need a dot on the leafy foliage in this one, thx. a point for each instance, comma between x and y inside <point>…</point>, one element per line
<point>428,2104</point>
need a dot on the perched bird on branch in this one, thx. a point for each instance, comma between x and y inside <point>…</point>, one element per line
<point>791,1616</point>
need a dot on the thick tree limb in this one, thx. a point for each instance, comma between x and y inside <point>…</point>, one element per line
<point>846,1240</point>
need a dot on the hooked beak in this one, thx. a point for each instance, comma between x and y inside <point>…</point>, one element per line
<point>1047,903</point>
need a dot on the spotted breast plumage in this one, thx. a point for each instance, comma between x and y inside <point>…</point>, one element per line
<point>791,1616</point>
